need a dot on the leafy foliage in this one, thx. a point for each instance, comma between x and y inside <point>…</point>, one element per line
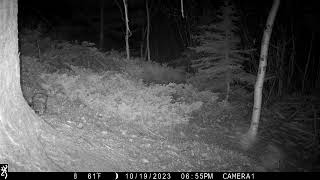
<point>118,88</point>
<point>61,55</point>
<point>119,96</point>
<point>153,72</point>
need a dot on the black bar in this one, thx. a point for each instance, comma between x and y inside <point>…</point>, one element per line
<point>161,175</point>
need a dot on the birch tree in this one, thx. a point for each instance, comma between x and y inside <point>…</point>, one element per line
<point>250,137</point>
<point>128,33</point>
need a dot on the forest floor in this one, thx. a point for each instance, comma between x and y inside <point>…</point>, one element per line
<point>107,121</point>
<point>196,146</point>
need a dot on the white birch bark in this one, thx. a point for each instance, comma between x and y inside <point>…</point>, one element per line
<point>249,138</point>
<point>127,28</point>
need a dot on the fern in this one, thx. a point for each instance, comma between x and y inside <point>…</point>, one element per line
<point>220,45</point>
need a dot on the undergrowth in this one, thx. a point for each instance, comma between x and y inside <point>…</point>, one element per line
<point>124,100</point>
<point>131,90</point>
<point>118,95</point>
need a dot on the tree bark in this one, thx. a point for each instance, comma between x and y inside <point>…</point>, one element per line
<point>250,137</point>
<point>148,31</point>
<point>127,28</point>
<point>182,8</point>
<point>19,125</point>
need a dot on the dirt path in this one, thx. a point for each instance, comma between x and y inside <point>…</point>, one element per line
<point>127,148</point>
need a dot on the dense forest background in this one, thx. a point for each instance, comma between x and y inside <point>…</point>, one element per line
<point>293,64</point>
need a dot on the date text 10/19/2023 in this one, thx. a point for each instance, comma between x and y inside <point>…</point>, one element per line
<point>187,175</point>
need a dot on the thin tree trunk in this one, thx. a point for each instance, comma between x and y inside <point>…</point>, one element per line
<point>127,28</point>
<point>142,42</point>
<point>148,31</point>
<point>292,58</point>
<point>182,8</point>
<point>307,65</point>
<point>101,24</point>
<point>318,75</point>
<point>250,137</point>
<point>19,125</point>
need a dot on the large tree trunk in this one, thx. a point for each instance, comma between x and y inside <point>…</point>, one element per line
<point>19,125</point>
<point>249,139</point>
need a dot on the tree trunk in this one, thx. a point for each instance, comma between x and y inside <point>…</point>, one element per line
<point>182,8</point>
<point>250,137</point>
<point>127,28</point>
<point>142,41</point>
<point>19,125</point>
<point>148,31</point>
